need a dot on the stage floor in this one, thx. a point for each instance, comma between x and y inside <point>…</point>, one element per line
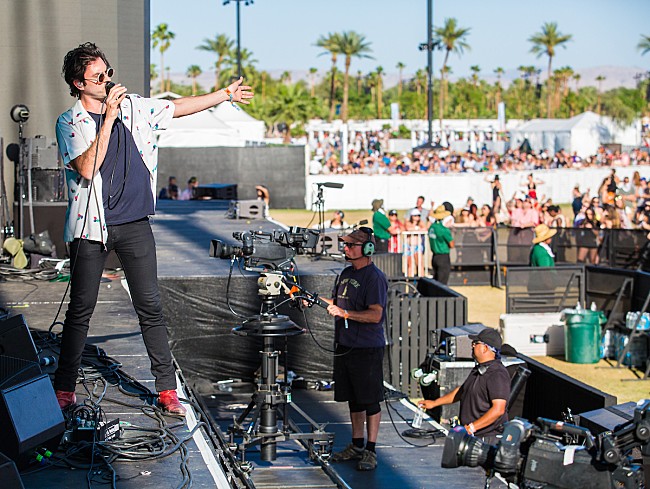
<point>183,232</point>
<point>114,328</point>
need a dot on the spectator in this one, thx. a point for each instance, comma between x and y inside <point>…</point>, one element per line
<point>414,243</point>
<point>396,227</point>
<point>263,194</point>
<point>337,221</point>
<point>381,226</point>
<point>188,193</point>
<point>166,192</point>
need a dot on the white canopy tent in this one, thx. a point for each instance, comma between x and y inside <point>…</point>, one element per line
<point>200,130</point>
<point>582,134</point>
<point>250,129</point>
<point>222,125</point>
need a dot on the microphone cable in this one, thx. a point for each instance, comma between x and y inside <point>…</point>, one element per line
<point>91,194</point>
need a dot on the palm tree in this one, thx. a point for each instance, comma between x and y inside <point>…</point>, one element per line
<point>193,71</point>
<point>162,37</point>
<point>498,71</point>
<point>285,78</point>
<point>169,80</point>
<point>600,79</point>
<point>359,75</point>
<point>222,46</point>
<point>576,78</point>
<point>545,42</point>
<point>290,105</point>
<point>476,69</point>
<point>331,45</point>
<point>449,38</point>
<point>400,66</point>
<point>231,68</point>
<point>351,44</point>
<point>380,82</point>
<point>644,44</point>
<point>312,81</point>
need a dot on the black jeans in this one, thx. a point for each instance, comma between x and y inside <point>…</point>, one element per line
<point>441,265</point>
<point>135,247</point>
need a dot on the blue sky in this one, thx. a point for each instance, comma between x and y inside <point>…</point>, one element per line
<point>281,33</point>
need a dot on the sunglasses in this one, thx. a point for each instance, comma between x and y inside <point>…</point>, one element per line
<point>101,78</point>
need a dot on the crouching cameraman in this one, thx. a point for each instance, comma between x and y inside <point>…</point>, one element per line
<point>484,394</point>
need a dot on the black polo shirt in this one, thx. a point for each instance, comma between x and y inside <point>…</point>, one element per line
<point>478,392</point>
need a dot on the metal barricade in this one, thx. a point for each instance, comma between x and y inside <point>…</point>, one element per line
<point>532,289</point>
<point>413,316</point>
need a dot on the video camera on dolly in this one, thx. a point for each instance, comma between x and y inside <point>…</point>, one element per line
<point>533,455</point>
<point>271,254</point>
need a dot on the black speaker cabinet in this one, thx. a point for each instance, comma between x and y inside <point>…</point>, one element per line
<point>30,419</point>
<point>16,340</point>
<point>9,474</point>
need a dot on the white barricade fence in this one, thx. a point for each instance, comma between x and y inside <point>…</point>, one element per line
<point>401,191</point>
<point>416,255</point>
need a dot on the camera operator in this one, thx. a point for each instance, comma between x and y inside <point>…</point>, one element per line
<point>484,395</point>
<point>358,307</point>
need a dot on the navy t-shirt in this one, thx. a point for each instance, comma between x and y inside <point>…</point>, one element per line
<point>355,290</point>
<point>126,181</point>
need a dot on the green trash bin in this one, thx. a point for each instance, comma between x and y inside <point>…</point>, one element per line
<point>582,333</point>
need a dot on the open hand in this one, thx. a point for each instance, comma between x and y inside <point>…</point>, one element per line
<point>240,93</point>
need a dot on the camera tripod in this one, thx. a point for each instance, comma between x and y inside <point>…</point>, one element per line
<point>262,427</point>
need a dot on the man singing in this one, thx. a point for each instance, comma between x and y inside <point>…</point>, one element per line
<point>107,143</point>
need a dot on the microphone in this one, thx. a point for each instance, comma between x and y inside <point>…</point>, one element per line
<point>47,361</point>
<point>108,87</point>
<point>330,185</point>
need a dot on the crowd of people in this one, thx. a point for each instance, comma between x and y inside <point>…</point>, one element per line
<point>368,155</point>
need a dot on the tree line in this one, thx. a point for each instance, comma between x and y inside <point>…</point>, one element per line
<point>349,94</point>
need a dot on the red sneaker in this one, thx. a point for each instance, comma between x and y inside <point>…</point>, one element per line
<point>168,401</point>
<point>66,399</point>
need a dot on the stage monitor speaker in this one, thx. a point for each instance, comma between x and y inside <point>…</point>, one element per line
<point>30,419</point>
<point>247,209</point>
<point>9,474</point>
<point>16,340</point>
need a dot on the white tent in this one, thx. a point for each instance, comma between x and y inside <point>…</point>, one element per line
<point>200,130</point>
<point>250,129</point>
<point>582,134</point>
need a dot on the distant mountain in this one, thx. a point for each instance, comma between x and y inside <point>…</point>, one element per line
<point>615,76</point>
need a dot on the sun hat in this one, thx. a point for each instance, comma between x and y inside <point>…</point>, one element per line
<point>377,204</point>
<point>542,233</point>
<point>441,212</point>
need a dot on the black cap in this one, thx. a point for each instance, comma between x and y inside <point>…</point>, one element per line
<point>489,336</point>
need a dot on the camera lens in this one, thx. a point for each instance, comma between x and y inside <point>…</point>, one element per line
<point>464,450</point>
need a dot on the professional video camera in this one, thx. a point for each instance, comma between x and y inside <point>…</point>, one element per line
<point>536,456</point>
<point>263,251</point>
<point>271,254</point>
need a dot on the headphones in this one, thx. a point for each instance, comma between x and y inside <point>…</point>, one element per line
<point>367,247</point>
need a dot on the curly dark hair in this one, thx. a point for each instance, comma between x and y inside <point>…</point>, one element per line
<point>76,61</point>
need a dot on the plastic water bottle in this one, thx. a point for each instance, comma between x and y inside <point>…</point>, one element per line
<point>578,308</point>
<point>593,307</point>
<point>417,420</point>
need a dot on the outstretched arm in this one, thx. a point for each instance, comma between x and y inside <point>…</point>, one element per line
<point>191,105</point>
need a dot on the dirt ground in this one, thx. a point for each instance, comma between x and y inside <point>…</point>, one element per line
<point>486,304</point>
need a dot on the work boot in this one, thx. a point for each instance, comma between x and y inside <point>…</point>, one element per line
<point>368,461</point>
<point>66,399</point>
<point>348,453</point>
<point>169,403</point>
